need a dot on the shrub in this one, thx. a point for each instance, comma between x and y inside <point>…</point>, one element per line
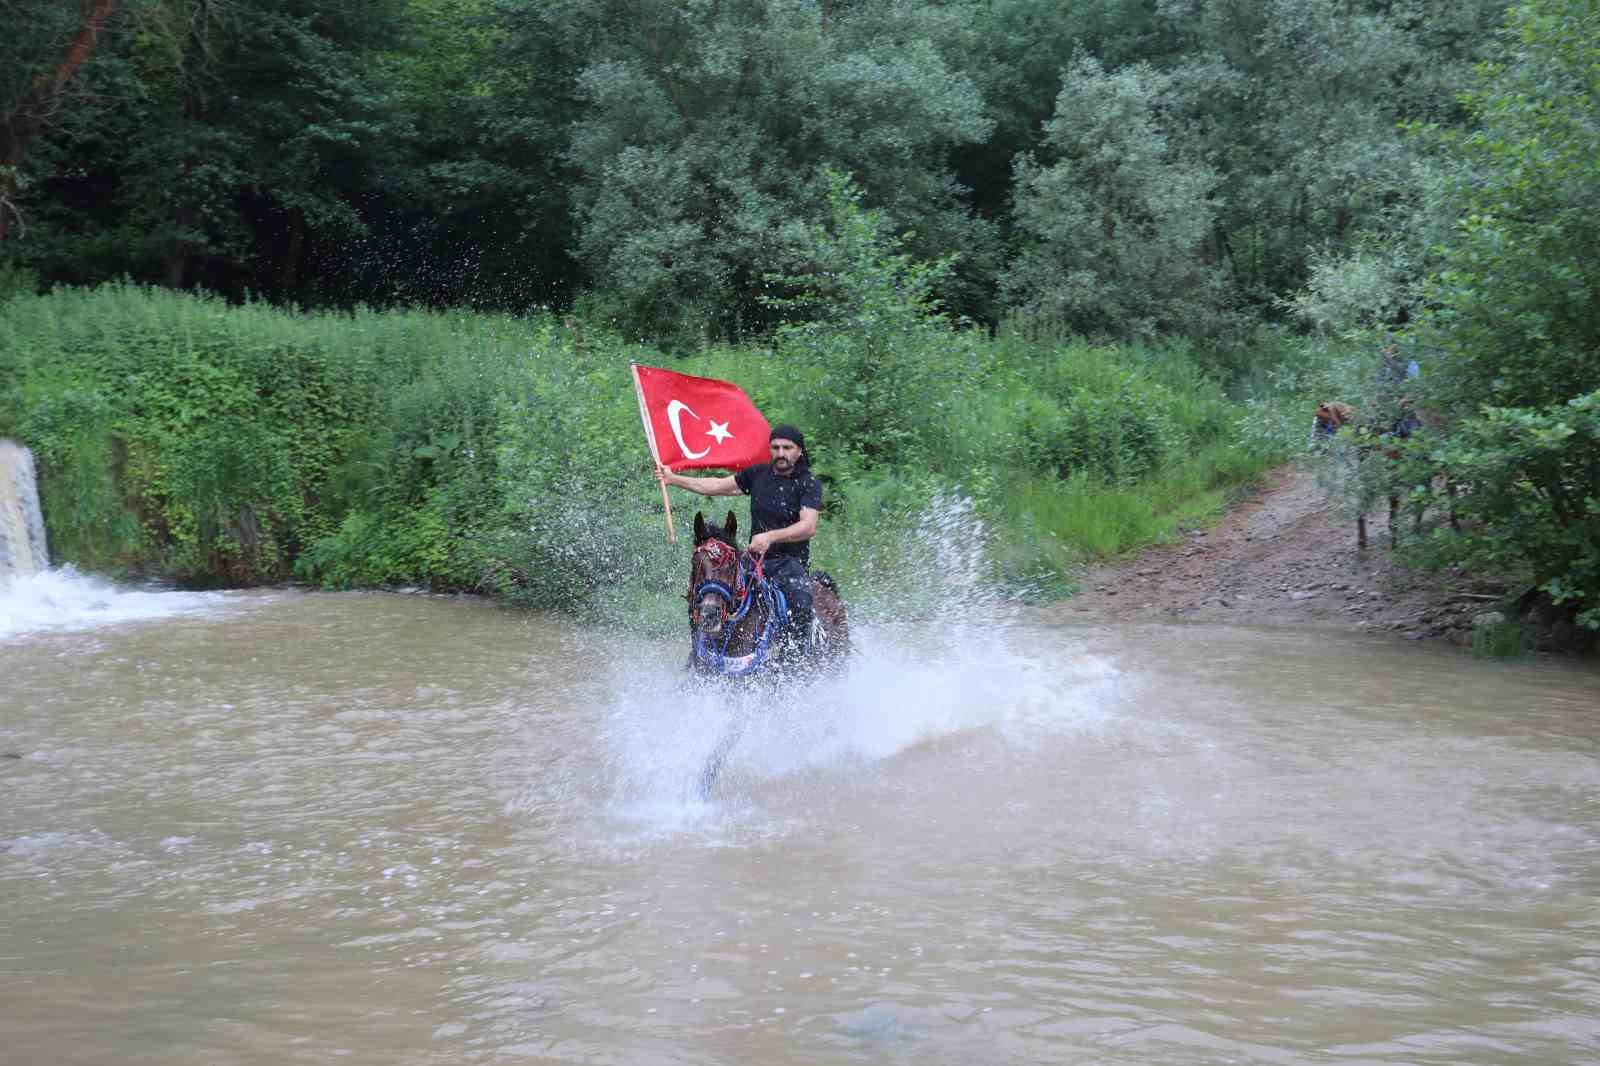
<point>188,439</point>
<point>1116,438</point>
<point>1529,498</point>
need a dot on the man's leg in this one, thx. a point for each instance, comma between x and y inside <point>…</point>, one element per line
<point>793,578</point>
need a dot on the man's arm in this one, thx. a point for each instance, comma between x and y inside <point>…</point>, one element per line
<point>705,486</point>
<point>804,529</point>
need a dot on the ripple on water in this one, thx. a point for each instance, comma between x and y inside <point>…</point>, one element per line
<point>419,830</point>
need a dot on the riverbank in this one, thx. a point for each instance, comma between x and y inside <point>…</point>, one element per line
<point>185,440</point>
<point>1284,556</point>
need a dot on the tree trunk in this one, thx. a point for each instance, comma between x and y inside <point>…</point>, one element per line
<point>25,121</point>
<point>289,277</point>
<point>178,257</point>
<point>8,195</point>
<point>95,15</point>
<point>1342,217</point>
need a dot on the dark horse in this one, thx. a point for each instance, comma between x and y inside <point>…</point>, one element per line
<point>739,623</point>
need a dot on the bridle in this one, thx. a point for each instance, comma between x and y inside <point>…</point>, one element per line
<point>750,585</point>
<point>736,597</point>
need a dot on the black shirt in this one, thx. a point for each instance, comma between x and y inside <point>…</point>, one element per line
<point>775,503</point>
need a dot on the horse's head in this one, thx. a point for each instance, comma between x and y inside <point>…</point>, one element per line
<point>1331,416</point>
<point>713,575</point>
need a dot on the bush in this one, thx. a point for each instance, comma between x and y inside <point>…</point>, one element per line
<point>17,281</point>
<point>184,438</point>
<point>212,444</point>
<point>1116,438</point>
<point>1512,322</point>
<point>1528,499</point>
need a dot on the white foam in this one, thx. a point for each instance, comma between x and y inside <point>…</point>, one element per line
<point>63,599</point>
<point>904,688</point>
<point>959,668</point>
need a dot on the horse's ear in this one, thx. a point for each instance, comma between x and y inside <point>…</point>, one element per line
<point>699,528</point>
<point>732,526</point>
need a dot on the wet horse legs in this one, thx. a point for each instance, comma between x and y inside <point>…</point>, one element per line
<point>1394,524</point>
<point>1394,518</point>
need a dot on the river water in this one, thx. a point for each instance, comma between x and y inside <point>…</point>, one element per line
<point>279,827</point>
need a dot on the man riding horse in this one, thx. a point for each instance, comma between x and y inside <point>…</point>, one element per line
<point>785,499</point>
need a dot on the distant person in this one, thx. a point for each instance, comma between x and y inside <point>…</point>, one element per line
<point>1396,408</point>
<point>1394,370</point>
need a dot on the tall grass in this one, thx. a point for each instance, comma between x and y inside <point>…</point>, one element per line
<point>183,437</point>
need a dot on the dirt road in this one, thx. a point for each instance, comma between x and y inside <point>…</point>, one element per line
<point>1282,557</point>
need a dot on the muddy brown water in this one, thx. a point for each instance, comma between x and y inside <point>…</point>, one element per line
<point>285,827</point>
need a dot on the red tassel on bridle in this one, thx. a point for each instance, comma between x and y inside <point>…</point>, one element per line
<point>719,555</point>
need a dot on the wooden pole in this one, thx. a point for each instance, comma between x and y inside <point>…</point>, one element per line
<point>655,454</point>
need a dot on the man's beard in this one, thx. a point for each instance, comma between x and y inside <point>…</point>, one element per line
<point>782,464</point>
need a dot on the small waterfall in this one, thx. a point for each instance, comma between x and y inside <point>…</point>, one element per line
<point>22,544</point>
<point>35,598</point>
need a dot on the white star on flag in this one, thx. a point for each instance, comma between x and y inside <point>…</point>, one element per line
<point>718,430</point>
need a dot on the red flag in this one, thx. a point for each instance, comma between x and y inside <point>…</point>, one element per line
<point>694,423</point>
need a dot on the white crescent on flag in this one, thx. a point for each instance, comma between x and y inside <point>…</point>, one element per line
<point>675,411</point>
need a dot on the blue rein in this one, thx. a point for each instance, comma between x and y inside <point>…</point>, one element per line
<point>713,655</point>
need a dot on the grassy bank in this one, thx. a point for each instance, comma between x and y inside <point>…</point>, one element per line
<point>181,437</point>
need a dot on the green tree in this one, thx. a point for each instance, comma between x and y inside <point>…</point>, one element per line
<point>1297,105</point>
<point>473,202</point>
<point>1015,51</point>
<point>232,137</point>
<point>269,126</point>
<point>45,45</point>
<point>1118,222</point>
<point>871,316</point>
<point>1512,331</point>
<point>702,129</point>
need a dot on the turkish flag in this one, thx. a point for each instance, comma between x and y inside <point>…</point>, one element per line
<point>694,423</point>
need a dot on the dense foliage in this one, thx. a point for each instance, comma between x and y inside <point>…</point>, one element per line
<point>656,154</point>
<point>1512,314</point>
<point>176,435</point>
<point>912,206</point>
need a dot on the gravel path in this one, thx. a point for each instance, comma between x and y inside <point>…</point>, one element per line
<point>1283,556</point>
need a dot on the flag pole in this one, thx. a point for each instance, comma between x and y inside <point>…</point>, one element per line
<point>655,454</point>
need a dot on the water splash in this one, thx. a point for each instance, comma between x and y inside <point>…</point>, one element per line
<point>955,661</point>
<point>65,599</point>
